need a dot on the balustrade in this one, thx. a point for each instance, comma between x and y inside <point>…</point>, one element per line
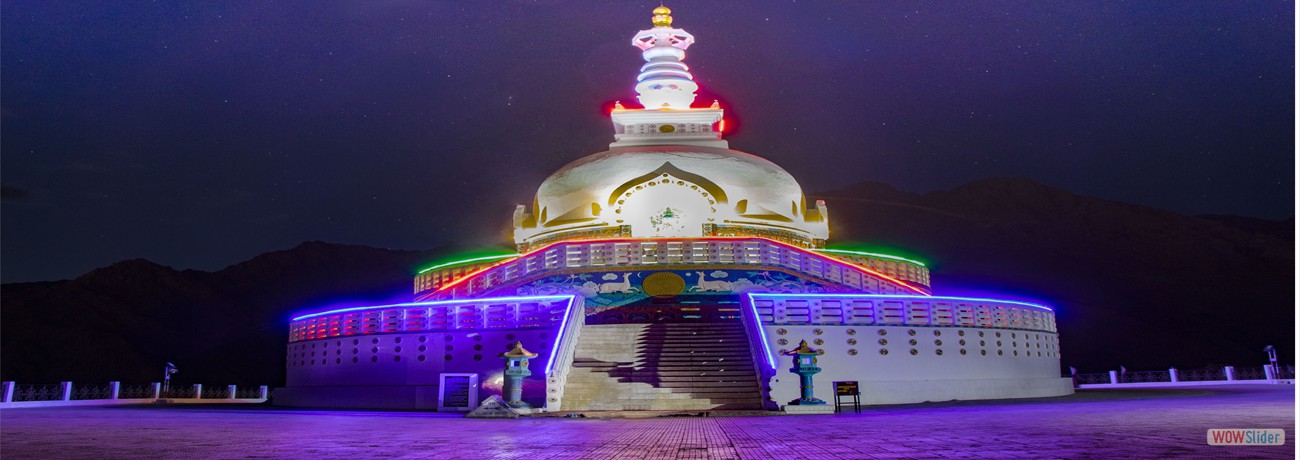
<point>539,312</point>
<point>38,392</point>
<point>899,310</point>
<point>104,391</point>
<point>140,391</point>
<point>68,393</point>
<point>851,272</point>
<point>1198,375</point>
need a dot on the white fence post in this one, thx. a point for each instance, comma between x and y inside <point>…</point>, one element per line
<point>262,391</point>
<point>1268,372</point>
<point>198,391</point>
<point>66,389</point>
<point>157,390</point>
<point>113,388</point>
<point>1114,377</point>
<point>230,392</point>
<point>8,392</point>
<point>1173,375</point>
<point>1230,373</point>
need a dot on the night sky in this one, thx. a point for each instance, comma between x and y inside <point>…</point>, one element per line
<point>198,136</point>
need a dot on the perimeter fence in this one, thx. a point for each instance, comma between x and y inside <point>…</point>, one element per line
<point>1211,374</point>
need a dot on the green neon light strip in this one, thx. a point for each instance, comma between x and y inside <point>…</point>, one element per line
<point>466,261</point>
<point>869,254</point>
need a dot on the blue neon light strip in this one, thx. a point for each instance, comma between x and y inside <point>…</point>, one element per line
<point>870,254</point>
<point>559,337</point>
<point>758,324</point>
<point>440,302</point>
<point>901,297</point>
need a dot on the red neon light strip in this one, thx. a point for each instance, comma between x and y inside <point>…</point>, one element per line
<point>711,238</point>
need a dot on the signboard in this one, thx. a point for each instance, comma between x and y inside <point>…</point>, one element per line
<point>847,389</point>
<point>493,407</point>
<point>457,392</point>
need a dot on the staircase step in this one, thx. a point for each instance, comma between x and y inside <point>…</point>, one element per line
<point>624,373</point>
<point>677,385</point>
<point>663,366</point>
<point>673,358</point>
<point>739,338</point>
<point>738,348</point>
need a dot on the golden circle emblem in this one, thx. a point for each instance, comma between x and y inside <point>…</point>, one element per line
<point>663,284</point>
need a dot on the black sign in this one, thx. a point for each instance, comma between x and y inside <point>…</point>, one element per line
<point>455,392</point>
<point>846,390</point>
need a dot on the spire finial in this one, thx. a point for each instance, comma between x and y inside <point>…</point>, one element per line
<point>664,82</point>
<point>663,16</point>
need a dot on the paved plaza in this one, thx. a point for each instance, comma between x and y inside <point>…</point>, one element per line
<point>1127,423</point>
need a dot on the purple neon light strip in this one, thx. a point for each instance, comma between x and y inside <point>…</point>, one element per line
<point>758,324</point>
<point>555,347</point>
<point>438,302</point>
<point>904,297</point>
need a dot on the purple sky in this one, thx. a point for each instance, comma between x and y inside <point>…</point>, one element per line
<point>200,135</point>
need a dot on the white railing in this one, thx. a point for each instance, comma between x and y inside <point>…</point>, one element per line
<point>14,395</point>
<point>759,253</point>
<point>536,312</point>
<point>566,343</point>
<point>899,310</point>
<point>1186,377</point>
<point>760,353</point>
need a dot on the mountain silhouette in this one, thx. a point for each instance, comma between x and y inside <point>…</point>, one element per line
<point>1131,285</point>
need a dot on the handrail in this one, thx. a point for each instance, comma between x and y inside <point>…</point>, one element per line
<point>561,361</point>
<point>760,352</point>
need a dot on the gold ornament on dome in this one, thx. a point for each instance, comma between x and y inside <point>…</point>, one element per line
<point>663,17</point>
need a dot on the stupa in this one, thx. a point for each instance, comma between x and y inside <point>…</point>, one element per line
<point>671,272</point>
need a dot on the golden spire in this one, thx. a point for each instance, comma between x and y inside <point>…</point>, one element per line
<point>662,16</point>
<point>518,352</point>
<point>804,349</point>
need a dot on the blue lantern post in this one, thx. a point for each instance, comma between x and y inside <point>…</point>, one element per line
<point>805,364</point>
<point>516,369</point>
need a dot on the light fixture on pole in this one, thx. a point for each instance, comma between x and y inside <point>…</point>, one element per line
<point>167,376</point>
<point>1272,360</point>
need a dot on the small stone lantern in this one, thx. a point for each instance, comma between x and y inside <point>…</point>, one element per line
<point>516,369</point>
<point>805,364</point>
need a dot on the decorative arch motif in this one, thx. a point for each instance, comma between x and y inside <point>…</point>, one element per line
<point>714,192</point>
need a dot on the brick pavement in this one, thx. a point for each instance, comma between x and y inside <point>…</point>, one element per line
<point>1132,423</point>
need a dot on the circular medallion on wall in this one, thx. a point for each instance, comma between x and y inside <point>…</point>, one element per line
<point>663,284</point>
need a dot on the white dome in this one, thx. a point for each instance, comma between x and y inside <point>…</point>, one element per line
<point>669,191</point>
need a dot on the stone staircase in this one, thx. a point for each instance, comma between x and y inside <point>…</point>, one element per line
<point>662,366</point>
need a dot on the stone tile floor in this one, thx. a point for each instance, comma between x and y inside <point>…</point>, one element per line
<point>1128,423</point>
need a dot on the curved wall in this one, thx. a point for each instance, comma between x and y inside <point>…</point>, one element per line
<point>908,349</point>
<point>391,356</point>
<point>400,371</point>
